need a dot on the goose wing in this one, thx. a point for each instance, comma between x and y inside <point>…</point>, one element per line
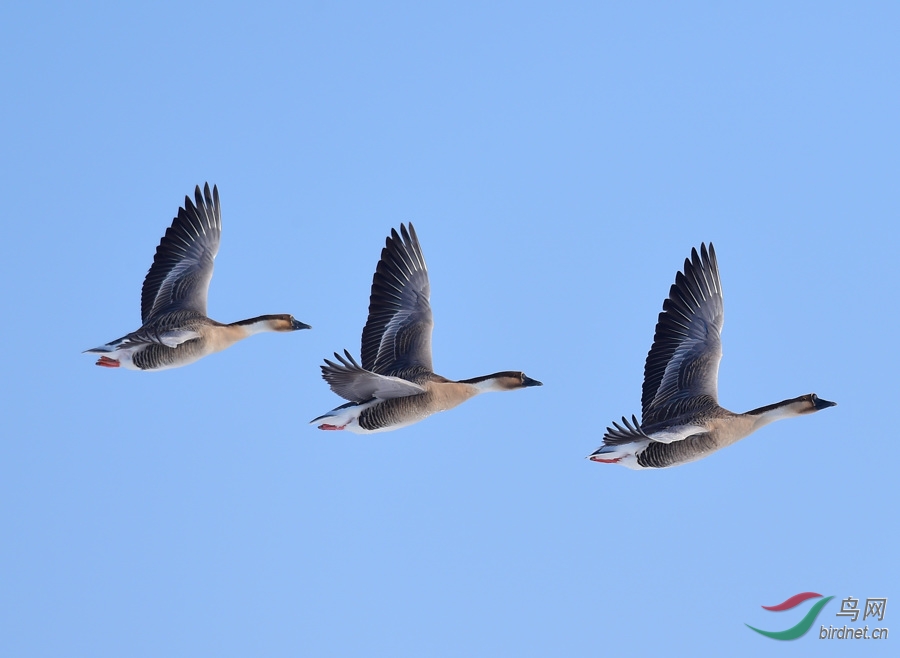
<point>681,371</point>
<point>352,382</point>
<point>183,264</point>
<point>397,335</point>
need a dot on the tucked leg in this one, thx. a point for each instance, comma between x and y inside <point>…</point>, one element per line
<point>606,461</point>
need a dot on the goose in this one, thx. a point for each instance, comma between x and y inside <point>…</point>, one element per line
<point>681,418</point>
<point>175,329</point>
<point>395,385</point>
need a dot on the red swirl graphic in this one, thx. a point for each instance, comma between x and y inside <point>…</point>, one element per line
<point>795,600</point>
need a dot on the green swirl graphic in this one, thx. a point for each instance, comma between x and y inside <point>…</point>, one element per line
<point>800,629</point>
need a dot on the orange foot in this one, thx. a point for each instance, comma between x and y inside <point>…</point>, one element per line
<point>606,461</point>
<point>106,362</point>
<point>331,427</point>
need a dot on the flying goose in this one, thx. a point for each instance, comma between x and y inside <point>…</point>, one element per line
<point>395,385</point>
<point>175,330</point>
<point>681,417</point>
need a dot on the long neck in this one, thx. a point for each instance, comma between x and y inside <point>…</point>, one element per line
<point>485,386</point>
<point>770,413</point>
<point>498,381</point>
<point>257,325</point>
<point>226,335</point>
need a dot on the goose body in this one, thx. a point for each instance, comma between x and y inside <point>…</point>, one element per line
<point>395,385</point>
<point>175,330</point>
<point>681,417</point>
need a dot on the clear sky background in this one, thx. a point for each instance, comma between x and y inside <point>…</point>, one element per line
<point>559,160</point>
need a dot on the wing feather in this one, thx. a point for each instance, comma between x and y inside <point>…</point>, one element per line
<point>397,335</point>
<point>183,265</point>
<point>683,362</point>
<point>352,382</point>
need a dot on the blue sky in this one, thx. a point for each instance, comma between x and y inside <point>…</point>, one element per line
<point>559,161</point>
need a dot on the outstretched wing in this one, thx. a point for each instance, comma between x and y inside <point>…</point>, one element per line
<point>351,382</point>
<point>183,264</point>
<point>682,366</point>
<point>397,335</point>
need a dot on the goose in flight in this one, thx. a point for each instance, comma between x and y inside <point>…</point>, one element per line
<point>395,385</point>
<point>681,420</point>
<point>175,329</point>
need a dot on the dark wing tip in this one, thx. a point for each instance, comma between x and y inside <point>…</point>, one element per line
<point>210,200</point>
<point>693,260</point>
<point>408,236</point>
<point>627,432</point>
<point>405,236</point>
<point>713,261</point>
<point>698,260</point>
<point>204,206</point>
<point>706,259</point>
<point>346,361</point>
<point>700,270</point>
<point>404,240</point>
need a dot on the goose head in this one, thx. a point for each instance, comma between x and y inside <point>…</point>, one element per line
<point>284,322</point>
<point>811,403</point>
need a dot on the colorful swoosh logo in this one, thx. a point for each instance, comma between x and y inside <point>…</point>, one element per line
<point>804,625</point>
<point>792,602</point>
